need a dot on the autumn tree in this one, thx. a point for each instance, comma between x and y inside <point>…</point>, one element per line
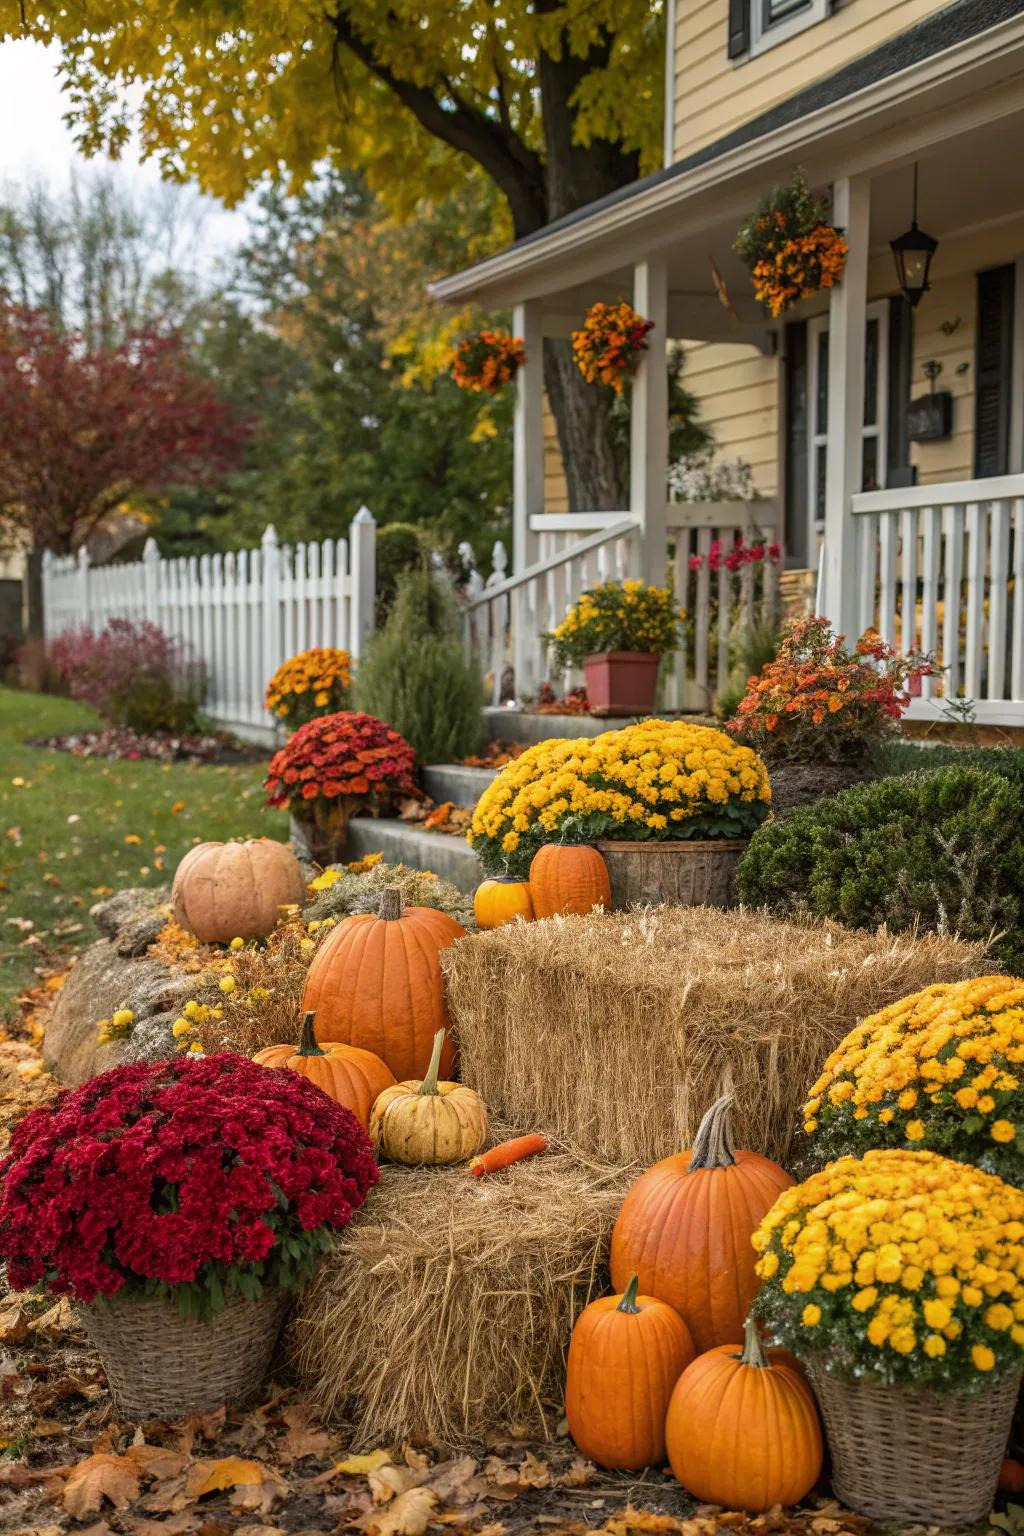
<point>554,102</point>
<point>84,430</point>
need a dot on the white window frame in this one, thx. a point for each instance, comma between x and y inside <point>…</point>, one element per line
<point>764,37</point>
<point>878,310</point>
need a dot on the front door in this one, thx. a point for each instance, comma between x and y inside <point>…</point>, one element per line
<point>874,432</point>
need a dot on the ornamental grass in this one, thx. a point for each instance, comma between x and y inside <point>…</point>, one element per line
<point>939,1070</point>
<point>662,779</point>
<point>446,1314</point>
<point>900,1267</point>
<point>616,1032</point>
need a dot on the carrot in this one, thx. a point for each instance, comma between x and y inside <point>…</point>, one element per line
<point>506,1153</point>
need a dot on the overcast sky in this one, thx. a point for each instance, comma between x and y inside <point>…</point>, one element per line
<point>35,144</point>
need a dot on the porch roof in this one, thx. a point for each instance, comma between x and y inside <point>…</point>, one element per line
<point>958,70</point>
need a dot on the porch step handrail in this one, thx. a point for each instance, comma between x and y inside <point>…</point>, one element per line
<point>529,573</point>
<point>574,522</point>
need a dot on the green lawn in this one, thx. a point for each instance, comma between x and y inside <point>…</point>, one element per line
<point>73,829</point>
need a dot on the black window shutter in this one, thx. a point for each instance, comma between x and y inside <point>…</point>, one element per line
<point>901,364</point>
<point>739,27</point>
<point>993,364</point>
<point>796,429</point>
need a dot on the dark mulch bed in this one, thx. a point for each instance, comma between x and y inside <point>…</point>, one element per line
<point>121,745</point>
<point>802,783</point>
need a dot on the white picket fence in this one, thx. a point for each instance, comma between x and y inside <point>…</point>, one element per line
<point>242,613</point>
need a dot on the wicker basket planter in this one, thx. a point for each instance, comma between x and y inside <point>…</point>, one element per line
<point>321,838</point>
<point>161,1365</point>
<point>904,1456</point>
<point>683,874</point>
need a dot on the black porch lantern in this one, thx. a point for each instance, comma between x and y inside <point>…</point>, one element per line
<point>913,254</point>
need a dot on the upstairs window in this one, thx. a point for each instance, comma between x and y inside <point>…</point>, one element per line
<point>756,25</point>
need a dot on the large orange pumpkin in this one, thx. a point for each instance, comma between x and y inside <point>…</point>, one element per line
<point>742,1428</point>
<point>375,982</point>
<point>565,877</point>
<point>348,1075</point>
<point>685,1229</point>
<point>625,1356</point>
<point>224,891</point>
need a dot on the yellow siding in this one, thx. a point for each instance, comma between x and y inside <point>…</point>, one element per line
<point>556,497</point>
<point>715,94</point>
<point>737,389</point>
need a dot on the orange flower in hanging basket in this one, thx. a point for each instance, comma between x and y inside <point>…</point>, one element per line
<point>610,344</point>
<point>791,248</point>
<point>488,361</point>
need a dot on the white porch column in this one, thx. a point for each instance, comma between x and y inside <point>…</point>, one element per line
<point>847,320</point>
<point>648,451</point>
<point>528,434</point>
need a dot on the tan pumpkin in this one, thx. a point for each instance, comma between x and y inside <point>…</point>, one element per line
<point>685,1229</point>
<point>501,900</point>
<point>346,1074</point>
<point>742,1428</point>
<point>375,982</point>
<point>429,1121</point>
<point>626,1354</point>
<point>566,877</point>
<point>224,891</point>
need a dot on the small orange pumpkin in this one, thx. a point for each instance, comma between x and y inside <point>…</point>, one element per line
<point>625,1356</point>
<point>568,877</point>
<point>742,1428</point>
<point>501,900</point>
<point>685,1228</point>
<point>375,982</point>
<point>346,1074</point>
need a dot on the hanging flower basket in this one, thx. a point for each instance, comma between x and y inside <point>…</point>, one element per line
<point>790,246</point>
<point>488,361</point>
<point>609,346</point>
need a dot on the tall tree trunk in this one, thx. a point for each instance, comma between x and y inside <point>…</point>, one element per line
<point>596,469</point>
<point>33,589</point>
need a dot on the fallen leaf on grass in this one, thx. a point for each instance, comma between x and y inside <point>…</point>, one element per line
<point>389,1482</point>
<point>97,1478</point>
<point>157,1461</point>
<point>302,1439</point>
<point>408,1515</point>
<point>361,1466</point>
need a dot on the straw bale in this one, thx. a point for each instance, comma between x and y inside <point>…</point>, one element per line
<point>444,1314</point>
<point>616,1032</point>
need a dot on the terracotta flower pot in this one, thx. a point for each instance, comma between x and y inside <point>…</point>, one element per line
<point>621,682</point>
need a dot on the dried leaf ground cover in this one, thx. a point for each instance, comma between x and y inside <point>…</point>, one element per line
<point>73,829</point>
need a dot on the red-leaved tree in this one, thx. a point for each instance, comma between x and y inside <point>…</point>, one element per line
<point>82,430</point>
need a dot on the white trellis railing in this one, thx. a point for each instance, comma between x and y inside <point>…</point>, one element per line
<point>941,568</point>
<point>506,616</point>
<point>242,613</point>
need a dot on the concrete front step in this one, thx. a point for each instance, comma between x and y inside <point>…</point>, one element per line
<point>453,781</point>
<point>401,843</point>
<point>518,725</point>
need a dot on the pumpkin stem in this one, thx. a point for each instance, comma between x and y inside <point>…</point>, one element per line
<point>429,1083</point>
<point>307,1045</point>
<point>753,1350</point>
<point>628,1302</point>
<point>391,904</point>
<point>712,1145</point>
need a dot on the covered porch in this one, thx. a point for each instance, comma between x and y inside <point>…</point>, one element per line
<point>921,537</point>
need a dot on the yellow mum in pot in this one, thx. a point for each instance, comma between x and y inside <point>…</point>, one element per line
<point>661,779</point>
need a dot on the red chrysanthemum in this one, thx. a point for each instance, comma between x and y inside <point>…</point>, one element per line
<point>326,757</point>
<point>182,1172</point>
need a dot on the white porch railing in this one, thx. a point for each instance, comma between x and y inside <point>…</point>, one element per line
<point>941,567</point>
<point>242,613</point>
<point>506,618</point>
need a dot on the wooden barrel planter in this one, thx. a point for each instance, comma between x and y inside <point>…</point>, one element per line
<point>682,874</point>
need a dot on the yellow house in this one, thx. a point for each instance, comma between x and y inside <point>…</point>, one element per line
<point>907,514</point>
